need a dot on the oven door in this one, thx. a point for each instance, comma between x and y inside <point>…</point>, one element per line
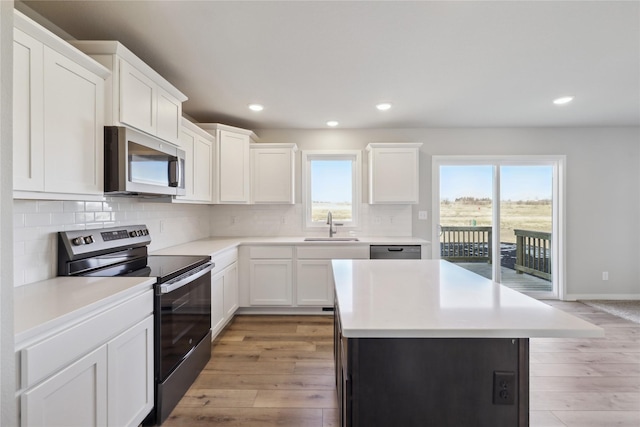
<point>183,319</point>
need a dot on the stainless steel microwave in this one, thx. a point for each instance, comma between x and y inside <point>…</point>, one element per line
<point>139,164</point>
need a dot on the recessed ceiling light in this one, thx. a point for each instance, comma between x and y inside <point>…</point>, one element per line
<point>332,123</point>
<point>384,106</point>
<point>256,107</point>
<point>563,100</point>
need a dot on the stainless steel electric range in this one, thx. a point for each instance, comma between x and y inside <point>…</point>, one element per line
<point>182,304</point>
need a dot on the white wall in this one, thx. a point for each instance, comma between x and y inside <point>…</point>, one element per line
<point>602,188</point>
<point>36,223</point>
<point>7,355</point>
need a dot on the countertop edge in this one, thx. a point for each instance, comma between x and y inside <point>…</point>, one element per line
<point>34,333</point>
<point>216,245</point>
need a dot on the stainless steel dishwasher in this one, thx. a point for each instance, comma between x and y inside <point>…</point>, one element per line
<point>395,252</point>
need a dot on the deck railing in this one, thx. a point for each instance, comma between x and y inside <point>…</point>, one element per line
<point>465,244</point>
<point>533,253</point>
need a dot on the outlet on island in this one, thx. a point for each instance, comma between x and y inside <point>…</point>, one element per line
<point>504,388</point>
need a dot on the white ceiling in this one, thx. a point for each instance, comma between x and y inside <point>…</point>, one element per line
<point>441,64</point>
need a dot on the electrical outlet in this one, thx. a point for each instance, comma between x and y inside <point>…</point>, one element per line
<point>423,215</point>
<point>234,220</point>
<point>605,275</point>
<point>504,388</point>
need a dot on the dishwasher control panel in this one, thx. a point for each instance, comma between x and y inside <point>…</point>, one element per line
<point>395,252</point>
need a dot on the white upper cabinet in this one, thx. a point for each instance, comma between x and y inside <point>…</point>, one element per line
<point>394,172</point>
<point>137,95</point>
<point>232,163</point>
<point>272,173</point>
<point>58,116</point>
<point>198,146</point>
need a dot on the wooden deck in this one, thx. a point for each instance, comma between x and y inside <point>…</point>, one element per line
<point>278,371</point>
<point>520,282</point>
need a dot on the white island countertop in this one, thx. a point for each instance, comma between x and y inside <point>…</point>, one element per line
<point>438,299</point>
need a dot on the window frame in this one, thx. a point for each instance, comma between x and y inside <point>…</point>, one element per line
<point>355,156</point>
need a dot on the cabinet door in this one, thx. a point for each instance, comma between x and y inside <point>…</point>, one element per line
<point>130,375</point>
<point>187,143</point>
<point>73,125</point>
<point>169,111</point>
<point>138,99</point>
<point>272,175</point>
<point>393,175</point>
<point>76,396</point>
<point>233,167</point>
<point>28,98</point>
<point>203,166</point>
<point>230,290</point>
<point>270,282</point>
<point>217,303</point>
<point>314,283</point>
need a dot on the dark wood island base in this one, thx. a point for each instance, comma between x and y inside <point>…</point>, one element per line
<point>436,382</point>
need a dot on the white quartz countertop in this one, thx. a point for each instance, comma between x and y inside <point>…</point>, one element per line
<point>44,306</point>
<point>214,245</point>
<point>437,299</point>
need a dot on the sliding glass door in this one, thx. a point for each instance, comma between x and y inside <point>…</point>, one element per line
<point>499,217</point>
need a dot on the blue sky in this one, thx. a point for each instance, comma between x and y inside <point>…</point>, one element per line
<point>331,180</point>
<point>518,182</point>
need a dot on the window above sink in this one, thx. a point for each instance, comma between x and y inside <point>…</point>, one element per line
<point>331,182</point>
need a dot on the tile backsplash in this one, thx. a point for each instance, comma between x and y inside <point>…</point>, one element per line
<point>36,223</point>
<point>287,220</point>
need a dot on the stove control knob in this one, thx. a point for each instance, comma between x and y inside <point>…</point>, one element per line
<point>89,240</point>
<point>132,233</point>
<point>139,233</point>
<point>78,241</point>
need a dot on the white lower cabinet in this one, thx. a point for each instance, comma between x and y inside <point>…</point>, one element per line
<point>314,282</point>
<point>230,290</point>
<point>130,375</point>
<point>224,290</point>
<point>271,282</point>
<point>96,372</point>
<point>217,303</point>
<point>75,396</point>
<point>299,276</point>
<point>314,279</point>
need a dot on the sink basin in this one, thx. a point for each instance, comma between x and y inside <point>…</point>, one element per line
<point>331,239</point>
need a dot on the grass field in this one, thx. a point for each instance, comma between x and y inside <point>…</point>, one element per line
<point>534,216</point>
<point>339,211</point>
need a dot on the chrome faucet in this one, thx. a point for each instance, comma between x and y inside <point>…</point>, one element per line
<point>332,230</point>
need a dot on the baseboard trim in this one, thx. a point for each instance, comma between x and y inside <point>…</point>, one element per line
<point>284,310</point>
<point>575,297</point>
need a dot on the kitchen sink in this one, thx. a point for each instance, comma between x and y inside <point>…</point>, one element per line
<point>331,239</point>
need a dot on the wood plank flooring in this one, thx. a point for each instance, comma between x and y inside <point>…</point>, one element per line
<point>278,371</point>
<point>265,371</point>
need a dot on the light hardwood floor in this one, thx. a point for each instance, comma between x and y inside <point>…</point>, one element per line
<point>278,371</point>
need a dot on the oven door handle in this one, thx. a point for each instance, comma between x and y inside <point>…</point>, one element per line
<point>172,286</point>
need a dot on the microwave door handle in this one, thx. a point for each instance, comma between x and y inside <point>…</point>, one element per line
<point>180,179</point>
<point>174,172</point>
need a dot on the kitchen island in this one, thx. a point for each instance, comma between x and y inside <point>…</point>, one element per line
<point>427,343</point>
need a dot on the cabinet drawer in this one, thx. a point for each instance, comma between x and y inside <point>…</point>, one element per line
<point>333,252</point>
<point>271,252</point>
<point>224,260</point>
<point>50,355</point>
